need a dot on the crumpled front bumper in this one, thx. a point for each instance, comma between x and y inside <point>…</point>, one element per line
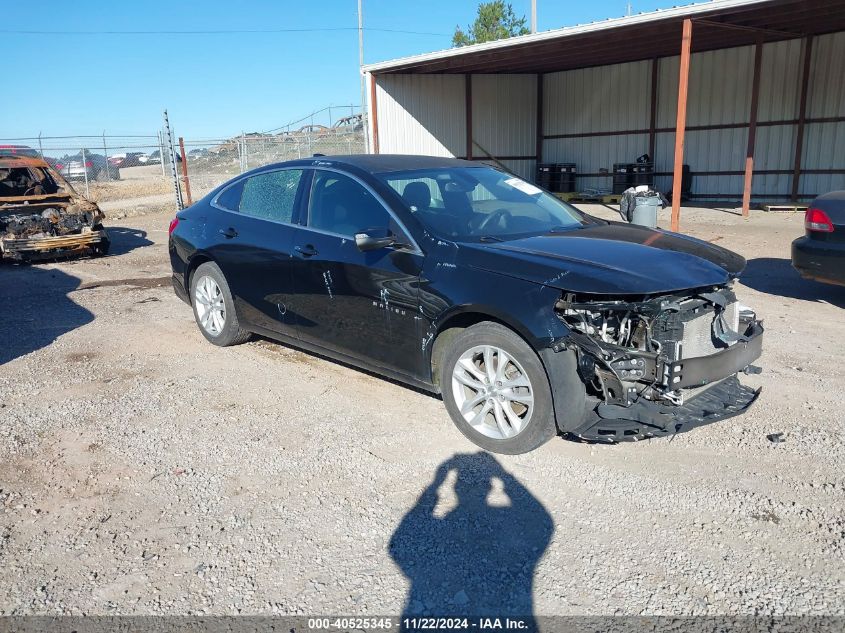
<point>27,248</point>
<point>725,398</point>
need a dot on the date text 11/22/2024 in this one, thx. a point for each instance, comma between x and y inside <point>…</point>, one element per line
<point>419,624</point>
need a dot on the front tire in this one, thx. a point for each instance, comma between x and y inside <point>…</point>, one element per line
<point>496,390</point>
<point>214,308</point>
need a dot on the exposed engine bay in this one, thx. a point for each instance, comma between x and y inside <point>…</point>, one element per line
<point>41,214</point>
<point>50,222</point>
<point>642,358</point>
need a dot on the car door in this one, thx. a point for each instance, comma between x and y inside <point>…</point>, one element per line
<point>363,304</point>
<point>254,236</point>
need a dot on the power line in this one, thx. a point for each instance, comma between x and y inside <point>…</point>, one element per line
<point>217,31</point>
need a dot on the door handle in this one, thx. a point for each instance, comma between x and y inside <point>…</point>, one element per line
<point>306,251</point>
<point>228,233</point>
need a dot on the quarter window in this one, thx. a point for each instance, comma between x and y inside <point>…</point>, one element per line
<point>341,205</point>
<point>271,195</point>
<point>230,199</point>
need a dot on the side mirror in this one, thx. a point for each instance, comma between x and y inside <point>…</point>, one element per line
<point>367,242</point>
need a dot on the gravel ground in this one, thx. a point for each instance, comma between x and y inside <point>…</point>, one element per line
<point>144,471</point>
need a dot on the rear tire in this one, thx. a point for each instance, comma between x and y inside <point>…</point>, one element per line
<point>496,390</point>
<point>214,308</point>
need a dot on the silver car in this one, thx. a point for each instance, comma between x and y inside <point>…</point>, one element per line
<point>87,166</point>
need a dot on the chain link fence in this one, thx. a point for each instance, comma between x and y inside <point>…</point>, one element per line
<point>134,171</point>
<point>210,162</point>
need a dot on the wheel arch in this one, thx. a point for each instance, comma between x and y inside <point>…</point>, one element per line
<point>197,259</point>
<point>568,391</point>
<point>460,319</point>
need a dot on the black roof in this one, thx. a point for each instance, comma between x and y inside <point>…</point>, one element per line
<point>832,195</point>
<point>381,163</point>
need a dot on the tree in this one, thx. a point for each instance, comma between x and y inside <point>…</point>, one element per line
<point>495,21</point>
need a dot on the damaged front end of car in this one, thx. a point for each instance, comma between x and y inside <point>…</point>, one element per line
<point>659,365</point>
<point>42,217</point>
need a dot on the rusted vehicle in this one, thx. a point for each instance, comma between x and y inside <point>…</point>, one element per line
<point>41,216</point>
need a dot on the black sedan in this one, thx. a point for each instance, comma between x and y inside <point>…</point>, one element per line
<point>820,254</point>
<point>530,318</point>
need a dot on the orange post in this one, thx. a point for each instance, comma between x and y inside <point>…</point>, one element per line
<point>681,123</point>
<point>185,171</point>
<point>752,129</point>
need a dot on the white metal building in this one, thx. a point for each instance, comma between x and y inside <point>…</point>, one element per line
<point>766,97</point>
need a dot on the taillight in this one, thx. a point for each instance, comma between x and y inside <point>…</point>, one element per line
<point>173,224</point>
<point>817,220</point>
<point>88,163</point>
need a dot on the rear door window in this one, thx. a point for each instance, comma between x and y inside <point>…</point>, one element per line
<point>271,195</point>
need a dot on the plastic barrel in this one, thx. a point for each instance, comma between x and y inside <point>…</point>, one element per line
<point>547,176</point>
<point>645,211</point>
<point>643,174</point>
<point>621,177</point>
<point>566,177</point>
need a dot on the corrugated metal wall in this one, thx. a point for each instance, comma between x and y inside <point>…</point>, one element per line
<point>421,114</point>
<point>584,101</point>
<point>719,94</point>
<point>426,114</point>
<point>824,142</point>
<point>504,119</point>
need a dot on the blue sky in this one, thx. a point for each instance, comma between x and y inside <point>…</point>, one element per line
<point>216,85</point>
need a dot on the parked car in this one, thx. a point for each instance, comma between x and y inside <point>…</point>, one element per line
<point>198,152</point>
<point>128,159</point>
<point>529,317</point>
<point>820,254</point>
<point>42,216</point>
<point>155,158</point>
<point>90,166</point>
<point>18,150</point>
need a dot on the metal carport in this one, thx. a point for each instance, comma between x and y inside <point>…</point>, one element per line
<point>730,81</point>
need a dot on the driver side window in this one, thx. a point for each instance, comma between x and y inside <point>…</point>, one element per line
<point>339,204</point>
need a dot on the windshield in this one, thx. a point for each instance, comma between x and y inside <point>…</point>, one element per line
<point>476,203</point>
<point>27,181</point>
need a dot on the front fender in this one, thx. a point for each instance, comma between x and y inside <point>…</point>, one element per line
<point>525,307</point>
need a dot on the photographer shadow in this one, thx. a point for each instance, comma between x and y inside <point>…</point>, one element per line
<point>476,557</point>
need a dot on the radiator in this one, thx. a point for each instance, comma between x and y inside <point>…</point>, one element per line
<point>698,337</point>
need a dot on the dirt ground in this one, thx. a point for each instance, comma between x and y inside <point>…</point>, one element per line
<point>144,471</point>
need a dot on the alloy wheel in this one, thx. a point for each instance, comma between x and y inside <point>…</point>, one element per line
<point>211,309</point>
<point>492,391</point>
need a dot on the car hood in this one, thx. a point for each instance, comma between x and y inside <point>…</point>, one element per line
<point>610,258</point>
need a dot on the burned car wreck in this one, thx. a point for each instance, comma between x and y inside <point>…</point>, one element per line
<point>41,216</point>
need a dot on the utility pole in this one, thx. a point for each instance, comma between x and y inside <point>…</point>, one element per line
<point>533,16</point>
<point>363,78</point>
